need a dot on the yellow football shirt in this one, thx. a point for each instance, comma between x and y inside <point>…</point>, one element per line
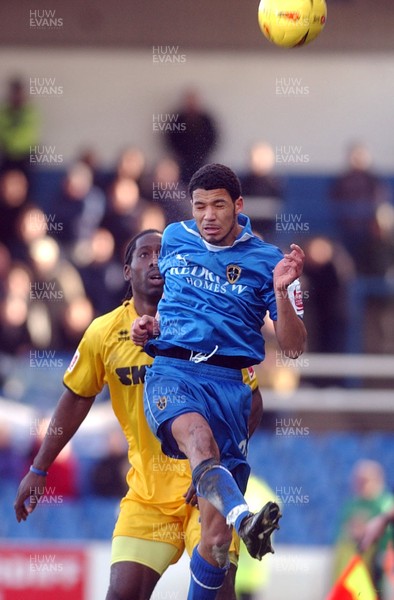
<point>106,355</point>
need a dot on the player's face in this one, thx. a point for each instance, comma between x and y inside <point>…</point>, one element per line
<point>216,215</point>
<point>143,272</point>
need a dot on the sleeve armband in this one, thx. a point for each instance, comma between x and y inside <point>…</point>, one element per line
<point>295,296</point>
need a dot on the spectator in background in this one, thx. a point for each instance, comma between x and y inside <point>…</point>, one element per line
<point>128,214</point>
<point>131,164</point>
<point>75,318</point>
<point>55,287</point>
<point>376,528</point>
<point>356,196</point>
<point>192,136</point>
<point>12,463</point>
<point>169,192</point>
<point>19,128</point>
<point>259,182</point>
<point>14,190</point>
<point>5,266</point>
<point>90,157</point>
<point>80,207</point>
<point>14,310</point>
<point>370,498</point>
<point>108,476</point>
<point>328,269</point>
<point>101,274</point>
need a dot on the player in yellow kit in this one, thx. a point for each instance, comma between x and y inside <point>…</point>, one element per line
<point>155,523</point>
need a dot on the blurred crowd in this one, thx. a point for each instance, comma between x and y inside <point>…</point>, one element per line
<point>61,265</point>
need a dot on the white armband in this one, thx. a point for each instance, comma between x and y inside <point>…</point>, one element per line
<point>295,296</point>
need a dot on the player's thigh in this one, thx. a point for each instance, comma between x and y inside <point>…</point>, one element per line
<point>131,581</point>
<point>143,521</point>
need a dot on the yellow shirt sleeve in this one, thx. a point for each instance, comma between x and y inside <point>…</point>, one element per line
<point>85,374</point>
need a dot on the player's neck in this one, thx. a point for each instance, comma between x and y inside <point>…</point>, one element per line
<point>145,306</point>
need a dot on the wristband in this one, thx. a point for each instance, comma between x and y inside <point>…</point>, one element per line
<point>38,471</point>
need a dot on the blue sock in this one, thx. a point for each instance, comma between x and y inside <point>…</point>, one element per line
<point>216,484</point>
<point>206,580</point>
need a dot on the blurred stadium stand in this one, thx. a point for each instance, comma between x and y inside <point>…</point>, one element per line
<point>309,473</point>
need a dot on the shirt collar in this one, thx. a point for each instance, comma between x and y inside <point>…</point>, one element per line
<point>244,235</point>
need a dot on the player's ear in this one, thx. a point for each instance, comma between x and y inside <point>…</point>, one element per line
<point>239,205</point>
<point>127,272</point>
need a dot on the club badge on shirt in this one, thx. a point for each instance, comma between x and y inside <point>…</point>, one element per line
<point>161,403</point>
<point>233,273</point>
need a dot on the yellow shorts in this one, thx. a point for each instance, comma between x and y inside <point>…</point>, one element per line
<point>147,534</point>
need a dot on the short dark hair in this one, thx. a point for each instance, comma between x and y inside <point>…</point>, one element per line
<point>128,255</point>
<point>214,177</point>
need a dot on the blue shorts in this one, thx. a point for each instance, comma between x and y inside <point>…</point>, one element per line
<point>174,387</point>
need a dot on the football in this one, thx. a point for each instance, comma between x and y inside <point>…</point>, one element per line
<point>290,23</point>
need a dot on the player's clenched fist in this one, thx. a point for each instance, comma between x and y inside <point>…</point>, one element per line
<point>143,329</point>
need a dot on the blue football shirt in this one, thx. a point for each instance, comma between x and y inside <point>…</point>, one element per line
<point>215,297</point>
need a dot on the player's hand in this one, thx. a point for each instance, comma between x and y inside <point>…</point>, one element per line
<point>191,496</point>
<point>31,488</point>
<point>289,268</point>
<point>143,329</point>
<point>373,531</point>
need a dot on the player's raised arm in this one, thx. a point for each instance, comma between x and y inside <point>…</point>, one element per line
<point>289,328</point>
<point>68,416</point>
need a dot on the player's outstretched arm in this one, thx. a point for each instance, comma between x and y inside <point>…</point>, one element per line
<point>68,416</point>
<point>289,328</point>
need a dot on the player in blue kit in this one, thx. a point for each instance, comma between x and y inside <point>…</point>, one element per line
<point>220,281</point>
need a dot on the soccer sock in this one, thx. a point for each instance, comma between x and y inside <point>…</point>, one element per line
<point>216,484</point>
<point>206,580</point>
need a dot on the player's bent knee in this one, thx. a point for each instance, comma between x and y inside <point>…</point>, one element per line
<point>221,539</point>
<point>217,545</point>
<point>220,554</point>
